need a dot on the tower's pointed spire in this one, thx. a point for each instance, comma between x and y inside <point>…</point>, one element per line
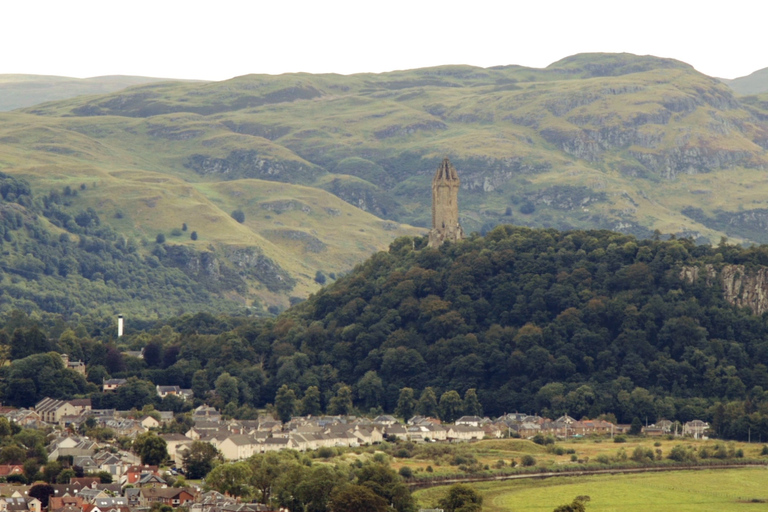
<point>445,205</point>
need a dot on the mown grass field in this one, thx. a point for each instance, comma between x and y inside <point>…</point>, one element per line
<point>682,491</point>
<point>706,489</point>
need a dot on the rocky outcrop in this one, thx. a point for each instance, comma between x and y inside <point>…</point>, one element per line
<point>741,287</point>
<point>241,164</point>
<point>229,269</point>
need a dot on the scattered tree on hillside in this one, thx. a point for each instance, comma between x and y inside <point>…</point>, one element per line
<point>239,216</point>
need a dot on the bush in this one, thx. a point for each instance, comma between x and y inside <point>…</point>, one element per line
<point>528,460</point>
<point>175,232</point>
<point>160,238</point>
<point>429,469</point>
<point>238,215</point>
<point>527,208</point>
<point>406,472</point>
<point>193,235</point>
<point>184,226</point>
<point>619,439</point>
<point>543,440</point>
<point>320,277</point>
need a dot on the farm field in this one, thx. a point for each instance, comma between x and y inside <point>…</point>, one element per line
<point>721,490</point>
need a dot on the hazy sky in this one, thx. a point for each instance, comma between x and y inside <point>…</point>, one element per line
<point>220,39</point>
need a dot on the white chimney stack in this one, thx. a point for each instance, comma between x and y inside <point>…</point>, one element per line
<point>119,326</point>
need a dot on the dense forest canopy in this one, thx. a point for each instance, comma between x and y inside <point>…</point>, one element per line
<point>580,322</point>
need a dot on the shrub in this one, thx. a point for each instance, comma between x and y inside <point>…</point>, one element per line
<point>528,460</point>
<point>175,232</point>
<point>619,439</point>
<point>193,235</point>
<point>238,215</point>
<point>406,472</point>
<point>160,238</point>
<point>429,469</point>
<point>574,458</point>
<point>320,277</point>
<point>184,226</point>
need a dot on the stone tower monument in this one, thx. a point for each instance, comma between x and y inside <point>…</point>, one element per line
<point>445,206</point>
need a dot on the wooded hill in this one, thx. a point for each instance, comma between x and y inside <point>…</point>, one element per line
<point>580,322</point>
<point>615,141</point>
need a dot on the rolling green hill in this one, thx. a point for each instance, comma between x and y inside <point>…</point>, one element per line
<point>327,167</point>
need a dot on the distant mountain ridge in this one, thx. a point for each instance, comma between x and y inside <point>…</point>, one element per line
<point>754,83</point>
<point>19,91</point>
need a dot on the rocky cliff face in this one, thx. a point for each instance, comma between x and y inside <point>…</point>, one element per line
<point>741,287</point>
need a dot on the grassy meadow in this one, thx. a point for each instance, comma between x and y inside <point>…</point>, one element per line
<point>706,489</point>
<point>721,490</point>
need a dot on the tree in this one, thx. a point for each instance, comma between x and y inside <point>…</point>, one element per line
<point>42,492</point>
<point>370,389</point>
<point>65,476</point>
<point>579,504</point>
<point>232,478</point>
<point>356,498</point>
<point>193,235</point>
<point>636,428</point>
<point>310,404</point>
<point>151,448</point>
<point>450,406</point>
<point>238,215</point>
<point>200,459</point>
<point>160,238</point>
<point>472,405</point>
<point>406,403</point>
<point>266,469</point>
<point>285,403</point>
<point>12,455</point>
<point>51,471</point>
<point>461,498</point>
<point>427,405</point>
<point>342,402</point>
<point>227,389</point>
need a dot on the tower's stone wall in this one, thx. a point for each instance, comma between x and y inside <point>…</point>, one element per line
<point>445,206</point>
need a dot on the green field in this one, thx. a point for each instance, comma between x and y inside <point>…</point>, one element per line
<point>721,490</point>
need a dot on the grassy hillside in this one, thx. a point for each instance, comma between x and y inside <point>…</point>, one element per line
<point>615,141</point>
<point>18,91</point>
<point>596,140</point>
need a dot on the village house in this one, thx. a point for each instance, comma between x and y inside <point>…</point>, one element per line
<point>464,433</point>
<point>112,384</point>
<point>236,447</point>
<point>164,391</point>
<point>472,421</point>
<point>696,428</point>
<point>173,497</point>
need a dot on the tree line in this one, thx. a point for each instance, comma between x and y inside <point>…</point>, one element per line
<point>580,322</point>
